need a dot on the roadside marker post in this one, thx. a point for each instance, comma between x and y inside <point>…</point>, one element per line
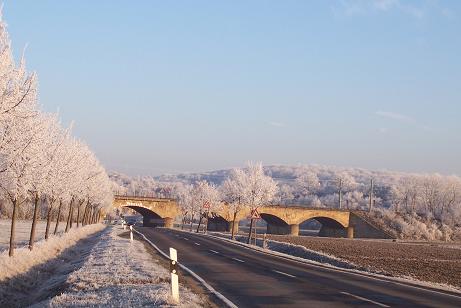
<point>124,226</point>
<point>174,275</point>
<point>131,233</point>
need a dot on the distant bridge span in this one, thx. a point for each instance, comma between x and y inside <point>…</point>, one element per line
<point>280,219</point>
<point>155,211</point>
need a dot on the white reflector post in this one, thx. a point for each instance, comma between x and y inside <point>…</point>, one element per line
<point>174,275</point>
<point>131,233</point>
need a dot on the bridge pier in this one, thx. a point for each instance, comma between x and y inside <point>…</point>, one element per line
<point>168,222</point>
<point>350,232</point>
<point>294,229</point>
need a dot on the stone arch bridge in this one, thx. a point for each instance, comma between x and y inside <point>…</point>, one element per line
<point>279,219</point>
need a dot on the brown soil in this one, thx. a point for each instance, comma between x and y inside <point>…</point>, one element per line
<point>433,262</point>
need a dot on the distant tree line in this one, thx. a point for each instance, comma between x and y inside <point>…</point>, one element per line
<point>416,206</point>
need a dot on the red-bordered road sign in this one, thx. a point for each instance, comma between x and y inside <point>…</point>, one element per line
<point>255,214</point>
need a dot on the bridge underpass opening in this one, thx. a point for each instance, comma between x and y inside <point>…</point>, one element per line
<point>327,227</point>
<point>218,223</point>
<point>152,219</point>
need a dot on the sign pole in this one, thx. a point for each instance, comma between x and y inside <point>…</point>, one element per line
<point>174,275</point>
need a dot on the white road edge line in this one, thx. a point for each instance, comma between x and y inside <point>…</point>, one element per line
<point>214,251</point>
<point>197,244</point>
<point>238,260</point>
<point>202,281</point>
<point>364,299</point>
<point>284,274</point>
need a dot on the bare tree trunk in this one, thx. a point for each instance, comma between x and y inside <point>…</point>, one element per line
<point>249,233</point>
<point>78,213</point>
<point>199,223</point>
<point>85,212</point>
<point>90,214</point>
<point>57,219</point>
<point>91,217</point>
<point>13,227</point>
<point>233,225</point>
<point>48,220</point>
<point>191,221</point>
<point>34,222</point>
<point>69,217</point>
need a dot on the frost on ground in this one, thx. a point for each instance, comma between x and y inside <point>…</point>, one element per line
<point>31,276</point>
<point>24,259</point>
<point>118,273</point>
<point>23,232</point>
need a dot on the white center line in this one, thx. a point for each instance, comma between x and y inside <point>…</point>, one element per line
<point>238,260</point>
<point>214,251</point>
<point>285,274</point>
<point>365,299</point>
<point>197,244</point>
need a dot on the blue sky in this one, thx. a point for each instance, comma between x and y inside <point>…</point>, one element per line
<point>179,86</point>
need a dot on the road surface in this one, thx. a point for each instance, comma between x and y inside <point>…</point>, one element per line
<point>250,278</point>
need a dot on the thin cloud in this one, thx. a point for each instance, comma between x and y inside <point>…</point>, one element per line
<point>402,118</point>
<point>276,124</point>
<point>367,7</point>
<point>395,116</point>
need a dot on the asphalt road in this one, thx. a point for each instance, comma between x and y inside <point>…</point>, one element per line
<point>253,279</point>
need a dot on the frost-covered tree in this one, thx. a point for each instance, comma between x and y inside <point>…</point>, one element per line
<point>260,189</point>
<point>306,183</point>
<point>183,194</point>
<point>39,160</point>
<point>205,198</point>
<point>233,192</point>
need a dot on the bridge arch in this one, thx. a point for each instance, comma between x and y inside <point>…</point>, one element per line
<point>144,211</point>
<point>329,227</point>
<point>151,218</point>
<point>155,211</point>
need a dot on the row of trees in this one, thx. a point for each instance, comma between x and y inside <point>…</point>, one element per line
<point>41,163</point>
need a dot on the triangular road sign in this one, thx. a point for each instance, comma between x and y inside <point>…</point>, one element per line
<point>255,214</point>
